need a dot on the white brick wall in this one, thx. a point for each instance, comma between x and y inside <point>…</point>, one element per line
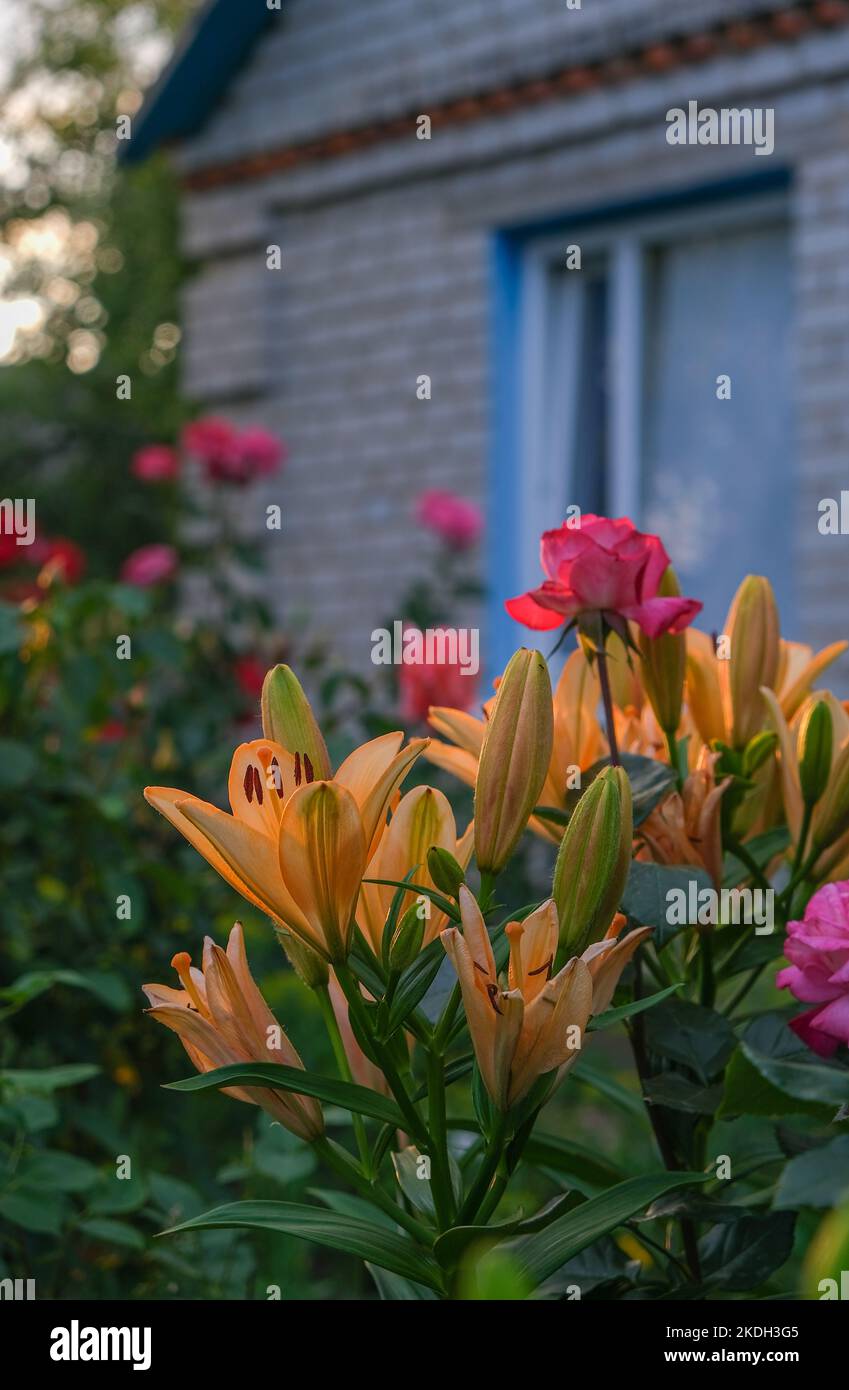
<point>386,272</point>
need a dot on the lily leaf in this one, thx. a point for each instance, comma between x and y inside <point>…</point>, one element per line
<point>366,1240</point>
<point>638,1006</point>
<point>360,1099</point>
<point>444,904</point>
<point>539,1256</point>
<point>451,1244</point>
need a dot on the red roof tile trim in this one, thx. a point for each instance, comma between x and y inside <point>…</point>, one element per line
<point>736,37</point>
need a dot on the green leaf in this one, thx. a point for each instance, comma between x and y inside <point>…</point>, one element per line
<point>806,1081</point>
<point>585,1167</point>
<point>739,1256</point>
<point>347,1094</point>
<point>638,1006</point>
<point>366,1240</point>
<point>438,899</point>
<point>50,1078</point>
<point>450,1245</point>
<point>747,1092</point>
<point>59,1171</point>
<point>113,1232</point>
<point>414,984</point>
<point>818,1178</point>
<point>539,1256</point>
<point>393,1289</point>
<point>34,1210</point>
<point>675,1092</point>
<point>417,1190</point>
<point>590,1075</point>
<point>349,1204</point>
<point>762,848</point>
<point>699,1038</point>
<point>109,988</point>
<point>645,898</point>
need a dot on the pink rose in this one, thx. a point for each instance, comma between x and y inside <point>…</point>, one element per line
<point>228,456</point>
<point>150,564</point>
<point>454,519</point>
<point>818,948</point>
<point>607,567</point>
<point>155,463</point>
<point>422,684</point>
<point>261,452</point>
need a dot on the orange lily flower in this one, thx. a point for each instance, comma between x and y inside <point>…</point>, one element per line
<point>752,666</point>
<point>221,1018</point>
<point>531,1024</point>
<point>685,827</point>
<point>296,846</point>
<point>423,818</point>
<point>833,864</point>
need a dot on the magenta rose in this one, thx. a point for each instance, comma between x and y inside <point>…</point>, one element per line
<point>603,566</point>
<point>452,518</point>
<point>261,452</point>
<point>155,463</point>
<point>150,564</point>
<point>818,949</point>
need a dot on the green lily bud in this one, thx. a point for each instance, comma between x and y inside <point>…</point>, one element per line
<point>408,938</point>
<point>593,861</point>
<point>814,748</point>
<point>664,664</point>
<point>446,873</point>
<point>514,759</point>
<point>307,965</point>
<point>832,814</point>
<point>758,750</point>
<point>754,632</point>
<point>287,719</point>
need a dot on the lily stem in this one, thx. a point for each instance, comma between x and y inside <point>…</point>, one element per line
<point>343,1164</point>
<point>344,1069</point>
<point>607,701</point>
<point>486,1171</point>
<point>381,1054</point>
<point>443,1194</point>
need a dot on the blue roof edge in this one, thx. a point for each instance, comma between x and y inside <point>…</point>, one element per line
<point>213,47</point>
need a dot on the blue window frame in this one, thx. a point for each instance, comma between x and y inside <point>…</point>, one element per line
<point>605,389</point>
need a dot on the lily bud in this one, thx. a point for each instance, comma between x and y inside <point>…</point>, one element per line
<point>446,873</point>
<point>408,938</point>
<point>753,662</point>
<point>309,967</point>
<point>758,750</point>
<point>287,719</point>
<point>664,664</point>
<point>514,758</point>
<point>814,748</point>
<point>593,861</point>
<point>832,814</point>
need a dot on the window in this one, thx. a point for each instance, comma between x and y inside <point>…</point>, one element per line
<point>620,406</point>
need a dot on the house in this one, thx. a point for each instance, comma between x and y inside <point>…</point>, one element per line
<point>614,235</point>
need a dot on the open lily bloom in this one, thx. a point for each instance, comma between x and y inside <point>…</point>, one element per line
<point>685,827</point>
<point>423,818</point>
<point>578,738</point>
<point>295,845</point>
<point>531,1024</point>
<point>221,1018</point>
